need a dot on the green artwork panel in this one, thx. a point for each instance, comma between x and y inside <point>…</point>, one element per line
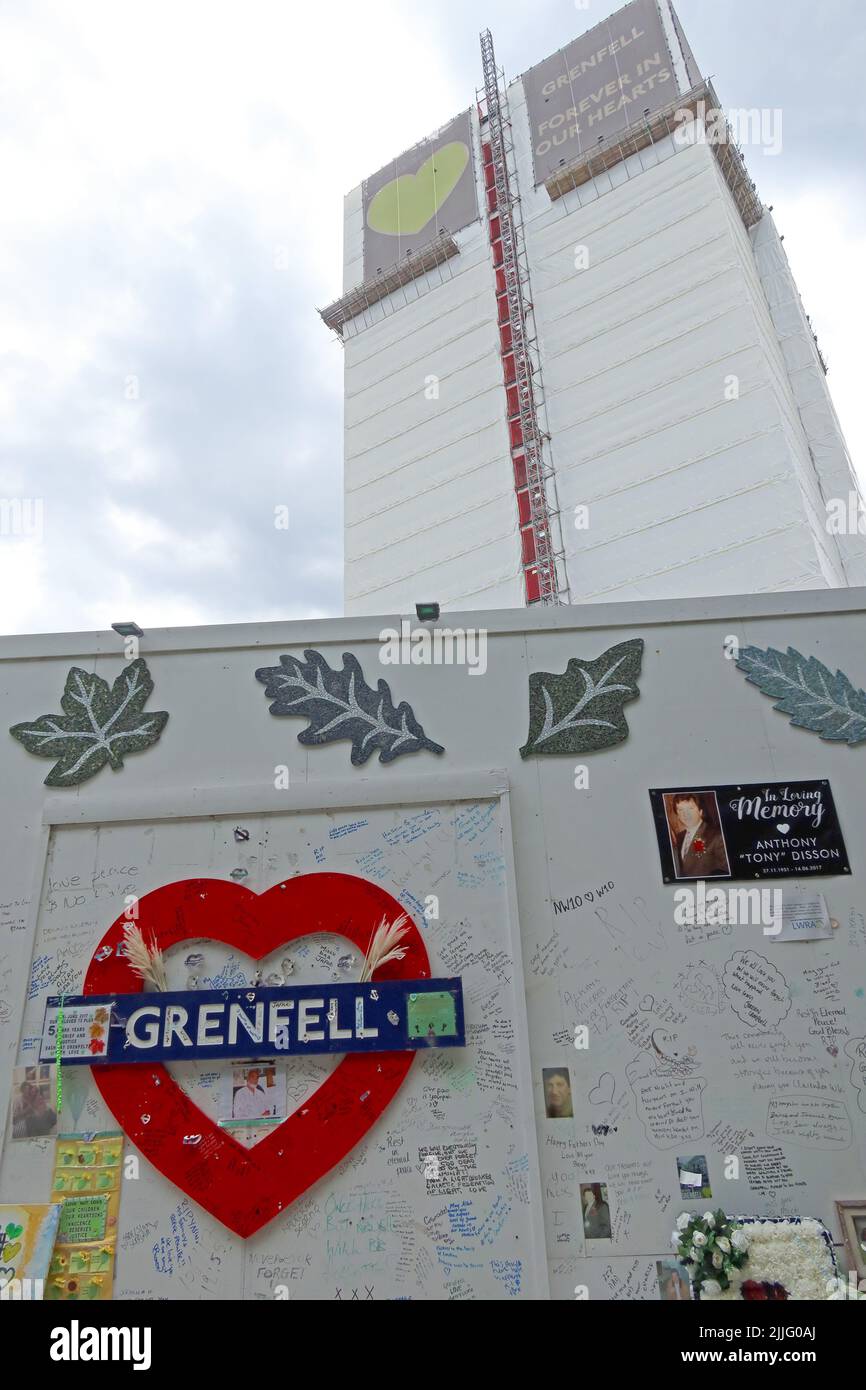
<point>409,202</point>
<point>431,1015</point>
<point>82,1219</point>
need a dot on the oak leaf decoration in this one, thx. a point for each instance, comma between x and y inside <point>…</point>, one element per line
<point>341,705</point>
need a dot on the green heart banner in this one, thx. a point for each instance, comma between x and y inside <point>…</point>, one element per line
<point>430,187</point>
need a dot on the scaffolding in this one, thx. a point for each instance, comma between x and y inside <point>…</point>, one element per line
<point>413,265</point>
<point>702,103</point>
<point>535,484</point>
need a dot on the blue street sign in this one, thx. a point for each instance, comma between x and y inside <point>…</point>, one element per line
<point>385,1016</point>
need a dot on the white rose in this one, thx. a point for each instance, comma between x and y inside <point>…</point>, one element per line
<point>676,1238</point>
<point>739,1240</point>
<point>710,1287</point>
<point>696,1255</point>
<point>718,1259</point>
<point>683,1220</point>
<point>709,1219</point>
<point>699,1238</point>
<point>723,1243</point>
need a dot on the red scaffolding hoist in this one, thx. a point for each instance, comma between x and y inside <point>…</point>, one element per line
<point>543,566</point>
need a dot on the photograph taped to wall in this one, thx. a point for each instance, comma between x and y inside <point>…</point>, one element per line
<point>258,1092</point>
<point>557,1093</point>
<point>34,1101</point>
<point>596,1211</point>
<point>852,1219</point>
<point>694,1177</point>
<point>674,1283</point>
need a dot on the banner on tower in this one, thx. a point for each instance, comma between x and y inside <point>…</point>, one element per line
<point>425,190</point>
<point>601,83</point>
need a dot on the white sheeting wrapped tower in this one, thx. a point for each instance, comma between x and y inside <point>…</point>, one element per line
<point>690,446</point>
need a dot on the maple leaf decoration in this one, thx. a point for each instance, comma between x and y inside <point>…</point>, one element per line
<point>581,710</point>
<point>100,724</point>
<point>340,704</point>
<point>806,690</point>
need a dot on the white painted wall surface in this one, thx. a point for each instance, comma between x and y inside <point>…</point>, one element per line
<point>170,813</point>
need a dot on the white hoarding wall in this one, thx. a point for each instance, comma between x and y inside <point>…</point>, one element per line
<point>536,880</point>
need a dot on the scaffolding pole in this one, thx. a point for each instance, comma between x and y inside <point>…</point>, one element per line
<point>517,295</point>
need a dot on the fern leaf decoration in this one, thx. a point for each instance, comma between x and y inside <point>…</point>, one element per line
<point>808,692</point>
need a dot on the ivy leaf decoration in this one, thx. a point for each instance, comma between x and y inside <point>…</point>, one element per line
<point>804,688</point>
<point>340,704</point>
<point>99,724</point>
<point>581,710</point>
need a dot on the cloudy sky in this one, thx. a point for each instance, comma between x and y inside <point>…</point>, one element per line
<point>170,219</point>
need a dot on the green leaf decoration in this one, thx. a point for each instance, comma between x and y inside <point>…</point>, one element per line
<point>806,690</point>
<point>99,724</point>
<point>340,704</point>
<point>581,710</point>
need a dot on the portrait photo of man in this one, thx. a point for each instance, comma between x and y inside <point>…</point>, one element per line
<point>697,841</point>
<point>254,1095</point>
<point>557,1093</point>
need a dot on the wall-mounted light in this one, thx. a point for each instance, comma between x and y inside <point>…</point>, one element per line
<point>427,612</point>
<point>127,629</point>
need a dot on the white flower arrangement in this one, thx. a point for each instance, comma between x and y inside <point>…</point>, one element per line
<point>794,1254</point>
<point>714,1246</point>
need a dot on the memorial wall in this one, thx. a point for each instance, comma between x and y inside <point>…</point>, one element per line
<point>361,959</point>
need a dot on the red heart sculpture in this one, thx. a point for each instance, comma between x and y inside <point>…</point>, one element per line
<point>246,1188</point>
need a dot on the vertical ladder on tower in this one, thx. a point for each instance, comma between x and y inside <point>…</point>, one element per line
<point>542,557</point>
